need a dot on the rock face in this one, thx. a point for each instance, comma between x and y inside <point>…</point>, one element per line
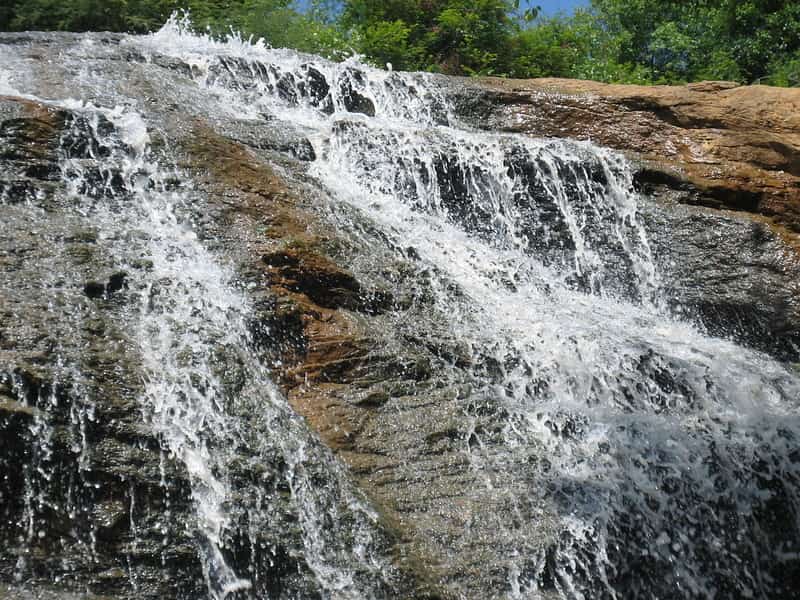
<point>369,386</point>
<point>723,145</point>
<point>77,460</point>
<point>93,499</point>
<point>715,145</point>
<point>429,459</point>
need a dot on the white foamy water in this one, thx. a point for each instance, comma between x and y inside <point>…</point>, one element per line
<point>206,395</point>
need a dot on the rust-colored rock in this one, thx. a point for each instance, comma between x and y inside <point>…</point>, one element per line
<point>727,146</point>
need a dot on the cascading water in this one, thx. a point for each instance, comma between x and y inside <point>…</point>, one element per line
<point>661,463</point>
<point>201,376</point>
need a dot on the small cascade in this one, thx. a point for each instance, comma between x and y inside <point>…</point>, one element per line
<point>205,396</point>
<point>568,205</point>
<point>183,399</point>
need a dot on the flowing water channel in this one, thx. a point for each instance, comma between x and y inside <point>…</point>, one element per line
<point>662,463</point>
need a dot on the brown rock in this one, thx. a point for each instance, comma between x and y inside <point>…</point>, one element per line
<point>729,146</point>
<point>34,134</point>
<point>316,276</point>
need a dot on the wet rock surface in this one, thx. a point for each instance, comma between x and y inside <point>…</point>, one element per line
<point>320,326</point>
<point>728,150</point>
<point>383,396</point>
<point>100,504</point>
<point>76,458</point>
<point>727,146</point>
<point>738,277</point>
<point>345,320</point>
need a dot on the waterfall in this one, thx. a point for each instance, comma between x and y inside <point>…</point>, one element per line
<point>201,377</point>
<point>634,455</point>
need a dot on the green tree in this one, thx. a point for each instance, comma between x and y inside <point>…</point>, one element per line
<point>761,34</point>
<point>77,15</point>
<point>388,42</point>
<point>453,36</point>
<point>552,48</point>
<point>685,40</point>
<point>7,11</point>
<point>283,27</point>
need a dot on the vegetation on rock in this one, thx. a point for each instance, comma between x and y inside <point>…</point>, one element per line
<point>629,41</point>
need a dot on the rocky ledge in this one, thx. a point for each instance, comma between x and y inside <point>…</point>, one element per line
<point>720,144</point>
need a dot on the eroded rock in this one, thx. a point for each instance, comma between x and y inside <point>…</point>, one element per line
<point>731,146</point>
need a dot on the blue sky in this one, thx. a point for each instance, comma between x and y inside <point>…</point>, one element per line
<point>552,7</point>
<point>549,7</point>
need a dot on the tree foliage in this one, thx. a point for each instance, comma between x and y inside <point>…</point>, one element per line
<point>274,20</point>
<point>641,41</point>
<point>685,40</point>
<point>454,36</point>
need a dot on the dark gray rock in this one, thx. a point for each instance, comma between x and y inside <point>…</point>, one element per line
<point>734,275</point>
